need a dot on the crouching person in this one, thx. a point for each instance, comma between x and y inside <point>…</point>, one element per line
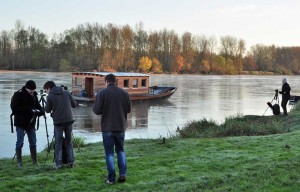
<point>26,108</point>
<point>60,103</point>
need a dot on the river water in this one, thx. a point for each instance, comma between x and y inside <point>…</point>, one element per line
<point>197,97</point>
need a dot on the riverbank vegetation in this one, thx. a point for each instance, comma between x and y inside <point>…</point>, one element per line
<point>227,159</point>
<point>88,47</point>
<point>239,125</point>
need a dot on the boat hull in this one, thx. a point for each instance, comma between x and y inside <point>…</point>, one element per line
<point>294,99</point>
<point>154,93</point>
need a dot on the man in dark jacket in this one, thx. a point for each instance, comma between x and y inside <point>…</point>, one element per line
<point>60,103</point>
<point>113,103</point>
<point>25,108</point>
<point>285,91</point>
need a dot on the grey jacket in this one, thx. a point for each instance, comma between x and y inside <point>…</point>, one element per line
<point>59,103</point>
<point>113,103</point>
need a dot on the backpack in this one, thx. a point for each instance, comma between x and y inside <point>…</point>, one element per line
<point>275,108</point>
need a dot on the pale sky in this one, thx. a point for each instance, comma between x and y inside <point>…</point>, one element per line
<point>267,22</point>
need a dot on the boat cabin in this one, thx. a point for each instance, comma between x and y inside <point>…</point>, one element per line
<point>87,84</point>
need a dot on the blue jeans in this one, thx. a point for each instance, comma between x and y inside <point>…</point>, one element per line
<point>58,134</point>
<point>20,137</point>
<point>111,141</point>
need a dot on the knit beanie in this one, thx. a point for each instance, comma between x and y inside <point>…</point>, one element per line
<point>30,85</point>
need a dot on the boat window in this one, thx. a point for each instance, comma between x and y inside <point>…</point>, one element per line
<point>135,83</point>
<point>126,83</point>
<point>78,81</point>
<point>144,82</point>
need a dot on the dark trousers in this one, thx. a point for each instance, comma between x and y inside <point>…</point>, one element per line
<point>283,105</point>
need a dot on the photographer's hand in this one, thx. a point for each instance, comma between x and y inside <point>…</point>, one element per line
<point>35,111</point>
<point>41,113</point>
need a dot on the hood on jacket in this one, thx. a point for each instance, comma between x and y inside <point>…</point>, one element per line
<point>56,90</point>
<point>284,81</point>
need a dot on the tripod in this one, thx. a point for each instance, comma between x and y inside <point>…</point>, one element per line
<point>42,99</point>
<point>274,98</point>
<point>63,152</point>
<point>48,151</point>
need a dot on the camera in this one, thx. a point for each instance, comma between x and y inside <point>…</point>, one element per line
<point>276,94</point>
<point>42,92</point>
<point>64,87</point>
<point>35,111</point>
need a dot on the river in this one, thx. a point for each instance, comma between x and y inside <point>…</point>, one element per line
<point>197,97</point>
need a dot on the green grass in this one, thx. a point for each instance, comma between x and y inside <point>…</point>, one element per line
<point>240,163</point>
<point>249,125</point>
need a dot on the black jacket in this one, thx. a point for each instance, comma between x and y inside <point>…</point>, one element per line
<point>285,91</point>
<point>22,104</point>
<point>113,103</point>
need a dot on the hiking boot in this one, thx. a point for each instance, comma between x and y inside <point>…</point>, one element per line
<point>121,179</point>
<point>19,157</point>
<point>33,155</point>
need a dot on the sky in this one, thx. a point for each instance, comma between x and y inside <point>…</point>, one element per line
<point>265,22</point>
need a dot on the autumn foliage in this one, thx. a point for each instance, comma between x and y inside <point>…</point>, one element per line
<point>121,48</point>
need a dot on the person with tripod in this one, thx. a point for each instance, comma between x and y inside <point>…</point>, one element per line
<point>285,91</point>
<point>59,103</point>
<point>25,108</point>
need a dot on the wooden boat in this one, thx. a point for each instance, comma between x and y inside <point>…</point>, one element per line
<point>294,99</point>
<point>85,86</point>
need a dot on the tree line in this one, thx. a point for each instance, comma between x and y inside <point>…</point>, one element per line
<point>88,47</point>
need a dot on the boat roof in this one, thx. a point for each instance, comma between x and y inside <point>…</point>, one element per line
<point>117,74</point>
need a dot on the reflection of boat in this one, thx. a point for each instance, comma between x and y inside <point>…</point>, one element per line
<point>293,99</point>
<point>138,118</point>
<point>153,103</point>
<point>85,85</point>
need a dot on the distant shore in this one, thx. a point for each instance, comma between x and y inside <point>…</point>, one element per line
<point>242,73</point>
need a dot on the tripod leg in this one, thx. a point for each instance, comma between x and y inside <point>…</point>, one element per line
<point>46,129</point>
<point>45,117</point>
<point>48,151</point>
<point>268,107</point>
<point>77,145</point>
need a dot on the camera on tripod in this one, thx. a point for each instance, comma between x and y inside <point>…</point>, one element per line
<point>276,94</point>
<point>64,87</point>
<point>42,93</point>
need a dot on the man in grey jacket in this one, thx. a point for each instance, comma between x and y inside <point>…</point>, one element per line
<point>59,104</point>
<point>113,103</point>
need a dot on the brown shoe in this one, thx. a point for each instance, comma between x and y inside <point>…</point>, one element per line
<point>121,179</point>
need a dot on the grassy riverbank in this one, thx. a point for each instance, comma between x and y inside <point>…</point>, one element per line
<point>240,163</point>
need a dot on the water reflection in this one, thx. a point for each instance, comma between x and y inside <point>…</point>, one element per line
<point>137,119</point>
<point>86,119</point>
<point>139,116</point>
